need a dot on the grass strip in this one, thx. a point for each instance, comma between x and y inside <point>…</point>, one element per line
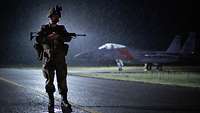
<point>189,79</point>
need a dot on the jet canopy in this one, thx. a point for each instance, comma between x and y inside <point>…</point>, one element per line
<point>111,46</point>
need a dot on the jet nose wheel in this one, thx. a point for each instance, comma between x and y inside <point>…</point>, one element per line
<point>147,67</point>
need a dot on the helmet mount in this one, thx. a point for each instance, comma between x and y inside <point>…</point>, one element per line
<point>55,11</point>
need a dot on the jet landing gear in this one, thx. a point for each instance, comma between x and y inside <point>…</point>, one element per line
<point>147,67</point>
<point>159,67</point>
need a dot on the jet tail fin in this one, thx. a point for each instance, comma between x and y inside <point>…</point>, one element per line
<point>190,43</point>
<point>175,45</point>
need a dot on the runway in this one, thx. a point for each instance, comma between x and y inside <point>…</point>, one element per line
<point>22,91</point>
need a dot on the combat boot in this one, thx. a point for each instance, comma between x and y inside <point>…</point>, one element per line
<point>51,103</point>
<point>65,105</point>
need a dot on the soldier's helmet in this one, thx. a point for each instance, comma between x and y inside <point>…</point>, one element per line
<point>55,11</point>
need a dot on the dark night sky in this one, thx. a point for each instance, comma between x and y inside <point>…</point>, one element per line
<point>144,24</point>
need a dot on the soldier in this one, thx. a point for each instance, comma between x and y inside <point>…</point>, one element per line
<point>52,51</point>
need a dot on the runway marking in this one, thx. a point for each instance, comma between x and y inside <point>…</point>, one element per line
<point>44,94</point>
<point>11,82</point>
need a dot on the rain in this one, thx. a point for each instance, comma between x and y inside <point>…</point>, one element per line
<point>144,24</point>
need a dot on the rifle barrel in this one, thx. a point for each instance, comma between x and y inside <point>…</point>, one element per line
<point>80,34</point>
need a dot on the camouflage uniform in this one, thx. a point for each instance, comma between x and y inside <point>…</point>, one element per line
<point>52,52</point>
<point>53,56</point>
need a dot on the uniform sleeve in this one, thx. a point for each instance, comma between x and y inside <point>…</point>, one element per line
<point>39,41</point>
<point>41,35</point>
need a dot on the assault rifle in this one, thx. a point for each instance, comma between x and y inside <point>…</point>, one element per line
<point>74,35</point>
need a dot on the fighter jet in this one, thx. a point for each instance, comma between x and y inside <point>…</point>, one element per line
<point>174,53</point>
<point>107,53</point>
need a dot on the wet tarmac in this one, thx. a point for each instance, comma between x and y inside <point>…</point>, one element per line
<point>22,91</point>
